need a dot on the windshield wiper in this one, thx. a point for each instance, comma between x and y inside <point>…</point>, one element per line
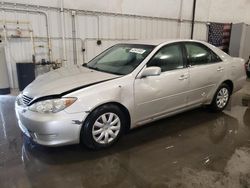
<point>86,65</point>
<point>97,69</point>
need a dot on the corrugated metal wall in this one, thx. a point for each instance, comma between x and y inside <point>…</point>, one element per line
<point>111,29</point>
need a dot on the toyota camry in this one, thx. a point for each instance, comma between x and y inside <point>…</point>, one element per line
<point>126,86</point>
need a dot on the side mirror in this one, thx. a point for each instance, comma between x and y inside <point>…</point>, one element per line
<point>151,71</point>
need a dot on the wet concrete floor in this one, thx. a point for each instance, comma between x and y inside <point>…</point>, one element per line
<point>192,149</point>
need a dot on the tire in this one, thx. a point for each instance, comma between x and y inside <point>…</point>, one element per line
<point>103,127</point>
<point>221,98</point>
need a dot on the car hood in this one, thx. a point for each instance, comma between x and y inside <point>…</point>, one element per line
<point>65,79</point>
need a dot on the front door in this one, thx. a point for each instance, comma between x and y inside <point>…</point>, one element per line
<point>167,92</point>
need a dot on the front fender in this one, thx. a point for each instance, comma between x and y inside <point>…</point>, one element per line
<point>119,91</point>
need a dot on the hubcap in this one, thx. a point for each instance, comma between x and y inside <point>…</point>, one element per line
<point>106,128</point>
<point>222,97</point>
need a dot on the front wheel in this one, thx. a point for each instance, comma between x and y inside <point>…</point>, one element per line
<point>221,98</point>
<point>103,127</point>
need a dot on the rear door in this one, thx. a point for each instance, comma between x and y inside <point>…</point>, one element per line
<point>206,70</point>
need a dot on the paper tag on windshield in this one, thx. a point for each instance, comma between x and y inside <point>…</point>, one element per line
<point>137,50</point>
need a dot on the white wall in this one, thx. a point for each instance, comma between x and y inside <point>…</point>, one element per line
<point>212,10</point>
<point>116,28</point>
<point>230,11</point>
<point>163,8</point>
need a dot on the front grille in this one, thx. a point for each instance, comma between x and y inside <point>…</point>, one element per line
<point>26,100</point>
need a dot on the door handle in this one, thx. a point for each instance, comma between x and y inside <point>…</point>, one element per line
<point>220,69</point>
<point>183,77</point>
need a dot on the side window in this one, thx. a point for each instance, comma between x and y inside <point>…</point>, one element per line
<point>168,58</point>
<point>199,54</point>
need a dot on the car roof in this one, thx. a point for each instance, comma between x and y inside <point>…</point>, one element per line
<point>157,42</point>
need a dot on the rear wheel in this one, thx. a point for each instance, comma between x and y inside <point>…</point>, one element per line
<point>103,127</point>
<point>221,98</point>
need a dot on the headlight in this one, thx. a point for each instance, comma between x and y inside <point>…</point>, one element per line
<point>19,99</point>
<point>52,105</point>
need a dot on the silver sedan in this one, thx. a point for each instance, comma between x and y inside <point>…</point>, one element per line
<point>126,86</point>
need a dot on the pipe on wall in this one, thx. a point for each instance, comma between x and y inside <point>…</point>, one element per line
<point>98,13</point>
<point>73,13</point>
<point>180,19</point>
<point>193,19</point>
<point>35,12</point>
<point>7,51</point>
<point>63,33</point>
<point>54,38</point>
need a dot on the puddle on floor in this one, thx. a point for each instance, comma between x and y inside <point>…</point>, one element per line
<point>192,149</point>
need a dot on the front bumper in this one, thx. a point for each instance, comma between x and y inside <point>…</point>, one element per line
<point>56,129</point>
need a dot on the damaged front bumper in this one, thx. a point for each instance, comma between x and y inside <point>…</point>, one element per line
<point>50,129</point>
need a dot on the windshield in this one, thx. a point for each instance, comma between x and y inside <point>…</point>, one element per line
<point>120,59</point>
